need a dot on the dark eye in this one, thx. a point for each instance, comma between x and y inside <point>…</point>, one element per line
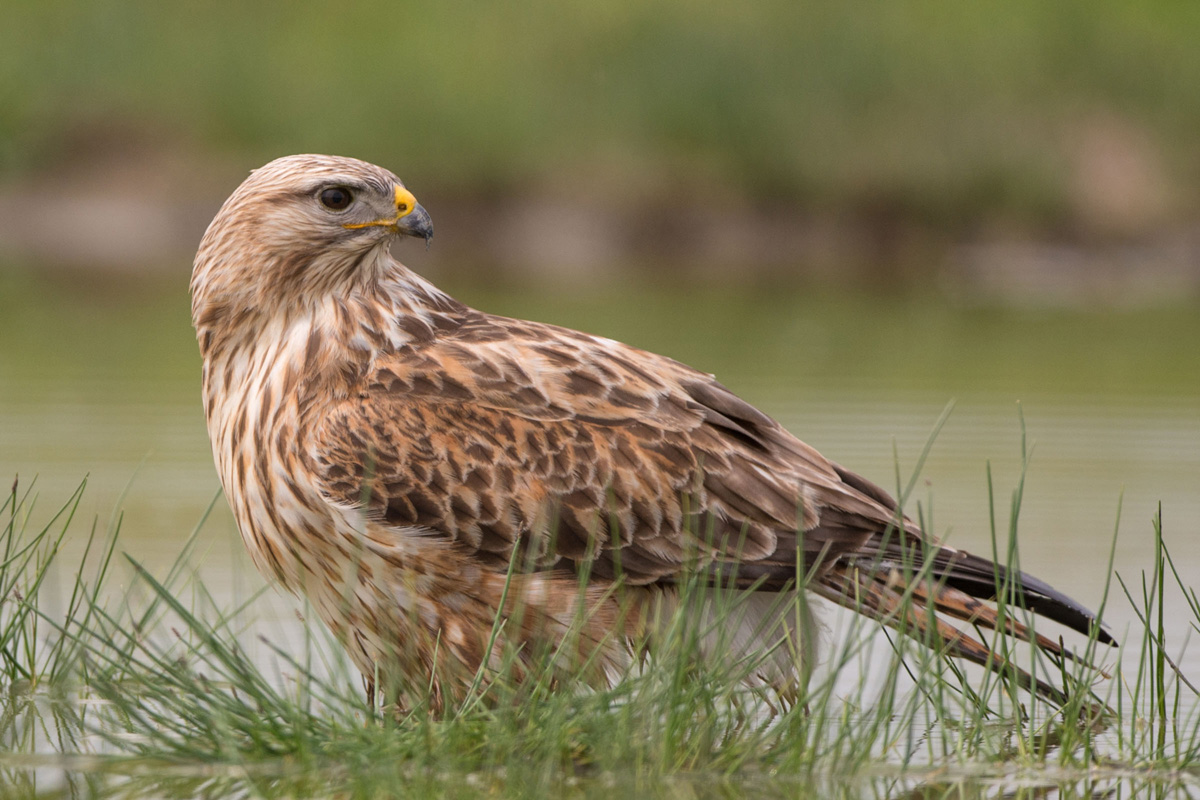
<point>336,197</point>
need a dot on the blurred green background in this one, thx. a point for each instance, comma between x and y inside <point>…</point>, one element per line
<point>851,212</point>
<point>863,141</point>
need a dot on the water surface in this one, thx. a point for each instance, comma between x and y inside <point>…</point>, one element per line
<point>108,388</point>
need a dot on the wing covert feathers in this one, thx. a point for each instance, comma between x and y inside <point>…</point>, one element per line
<point>499,433</point>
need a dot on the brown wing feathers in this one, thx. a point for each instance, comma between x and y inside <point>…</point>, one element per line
<point>859,564</point>
<point>498,429</point>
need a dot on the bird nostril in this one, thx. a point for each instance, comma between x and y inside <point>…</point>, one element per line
<point>405,202</point>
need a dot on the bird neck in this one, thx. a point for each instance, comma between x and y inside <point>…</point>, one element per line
<point>328,339</point>
<point>372,295</point>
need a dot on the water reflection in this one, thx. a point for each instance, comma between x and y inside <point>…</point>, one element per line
<point>40,756</point>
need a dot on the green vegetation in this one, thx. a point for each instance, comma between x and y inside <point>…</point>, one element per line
<point>937,112</point>
<point>153,691</point>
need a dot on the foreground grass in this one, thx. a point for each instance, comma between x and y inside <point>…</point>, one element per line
<point>156,690</point>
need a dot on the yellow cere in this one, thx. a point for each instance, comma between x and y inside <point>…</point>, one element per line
<point>405,203</point>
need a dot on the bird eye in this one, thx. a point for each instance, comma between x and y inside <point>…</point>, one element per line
<point>336,198</point>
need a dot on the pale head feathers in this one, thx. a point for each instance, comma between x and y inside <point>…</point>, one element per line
<point>275,249</point>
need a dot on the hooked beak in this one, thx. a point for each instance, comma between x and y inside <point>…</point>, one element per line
<point>411,217</point>
<point>416,223</point>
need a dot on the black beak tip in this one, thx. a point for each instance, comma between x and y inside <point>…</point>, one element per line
<point>418,223</point>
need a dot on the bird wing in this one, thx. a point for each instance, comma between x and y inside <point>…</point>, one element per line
<point>504,432</point>
<point>500,434</point>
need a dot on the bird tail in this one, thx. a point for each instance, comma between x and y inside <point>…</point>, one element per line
<point>916,598</point>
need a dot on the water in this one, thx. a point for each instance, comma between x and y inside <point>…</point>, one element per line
<point>115,397</point>
<point>133,425</point>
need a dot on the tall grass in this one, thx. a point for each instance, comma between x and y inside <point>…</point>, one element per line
<point>159,689</point>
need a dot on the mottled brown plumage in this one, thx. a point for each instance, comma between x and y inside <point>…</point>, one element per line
<point>389,452</point>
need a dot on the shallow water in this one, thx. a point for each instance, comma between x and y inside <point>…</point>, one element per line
<point>129,418</point>
<point>133,425</point>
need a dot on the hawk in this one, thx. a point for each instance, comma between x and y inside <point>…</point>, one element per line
<point>420,469</point>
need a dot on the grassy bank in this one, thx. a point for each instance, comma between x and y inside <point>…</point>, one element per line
<point>144,684</point>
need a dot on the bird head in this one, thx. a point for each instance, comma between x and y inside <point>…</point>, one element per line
<point>300,228</point>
